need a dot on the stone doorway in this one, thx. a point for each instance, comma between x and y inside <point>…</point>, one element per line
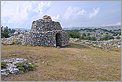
<point>58,39</point>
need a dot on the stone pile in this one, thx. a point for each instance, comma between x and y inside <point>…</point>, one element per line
<point>116,43</point>
<point>8,41</point>
<point>16,39</point>
<point>47,18</point>
<point>10,65</point>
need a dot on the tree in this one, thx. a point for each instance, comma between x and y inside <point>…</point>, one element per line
<point>118,37</point>
<point>88,34</point>
<point>93,38</point>
<point>88,38</point>
<point>5,31</point>
<point>74,34</point>
<point>83,34</point>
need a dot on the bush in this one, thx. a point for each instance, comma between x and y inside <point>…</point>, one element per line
<point>25,66</point>
<point>118,37</point>
<point>20,66</point>
<point>31,67</point>
<point>74,34</point>
<point>107,37</point>
<point>3,65</point>
<point>83,34</point>
<point>5,32</point>
<point>116,33</point>
<point>93,38</point>
<point>88,38</point>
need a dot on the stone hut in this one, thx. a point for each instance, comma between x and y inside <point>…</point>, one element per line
<point>46,32</point>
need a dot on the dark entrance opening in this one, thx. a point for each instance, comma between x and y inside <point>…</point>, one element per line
<point>58,39</point>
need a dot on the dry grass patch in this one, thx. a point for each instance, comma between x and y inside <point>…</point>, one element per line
<point>77,62</point>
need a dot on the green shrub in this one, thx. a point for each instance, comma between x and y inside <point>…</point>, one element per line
<point>31,67</point>
<point>20,66</point>
<point>93,38</point>
<point>5,31</point>
<point>25,66</point>
<point>3,65</point>
<point>107,37</point>
<point>88,38</point>
<point>74,34</point>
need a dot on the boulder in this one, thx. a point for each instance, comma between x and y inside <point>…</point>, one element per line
<point>46,18</point>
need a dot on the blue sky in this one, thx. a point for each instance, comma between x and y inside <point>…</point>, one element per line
<point>20,14</point>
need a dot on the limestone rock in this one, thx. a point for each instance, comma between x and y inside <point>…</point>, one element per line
<point>4,72</point>
<point>47,18</point>
<point>11,67</point>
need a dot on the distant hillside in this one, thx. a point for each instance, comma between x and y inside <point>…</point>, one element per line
<point>23,29</point>
<point>116,27</point>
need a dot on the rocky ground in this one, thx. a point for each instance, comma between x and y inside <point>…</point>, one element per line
<point>15,66</point>
<point>108,44</point>
<point>75,62</point>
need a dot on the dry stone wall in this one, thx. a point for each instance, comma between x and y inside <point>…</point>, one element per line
<point>47,38</point>
<point>46,32</point>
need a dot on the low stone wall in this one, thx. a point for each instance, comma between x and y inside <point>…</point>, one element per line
<point>47,38</point>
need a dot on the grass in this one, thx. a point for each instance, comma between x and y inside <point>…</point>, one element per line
<point>75,62</point>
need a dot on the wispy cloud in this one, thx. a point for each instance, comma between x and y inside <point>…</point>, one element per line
<point>94,12</point>
<point>118,23</point>
<point>81,12</point>
<point>76,12</point>
<point>73,12</point>
<point>20,11</point>
<point>56,18</point>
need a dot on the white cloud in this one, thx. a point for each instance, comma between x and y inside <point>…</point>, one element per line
<point>94,12</point>
<point>76,12</point>
<point>73,12</point>
<point>18,11</point>
<point>40,6</point>
<point>81,12</point>
<point>22,13</point>
<point>13,11</point>
<point>55,18</point>
<point>118,23</point>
